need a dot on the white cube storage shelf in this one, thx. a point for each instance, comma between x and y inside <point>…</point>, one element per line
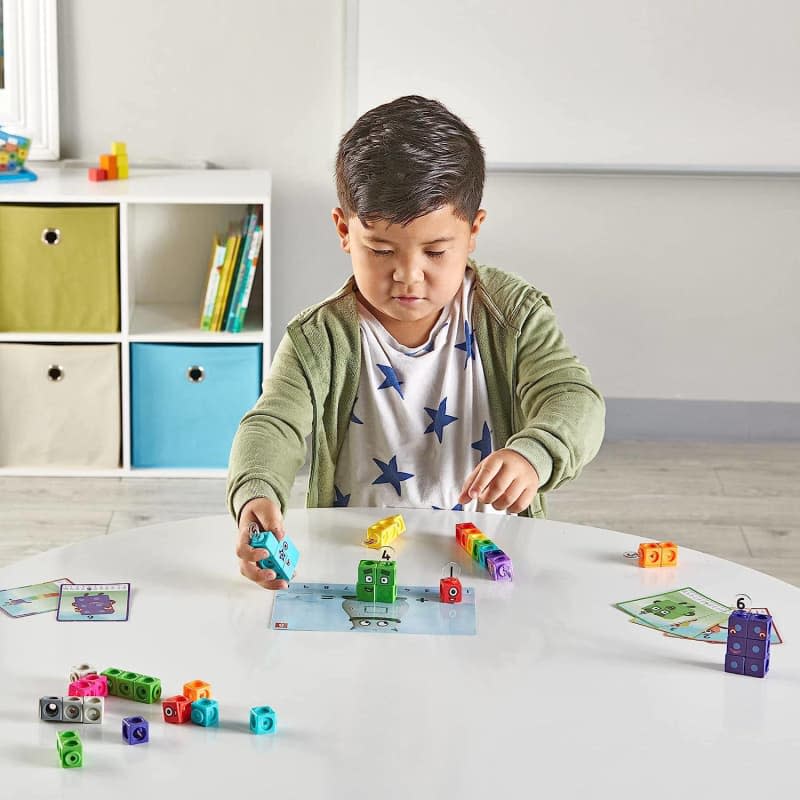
<point>53,382</point>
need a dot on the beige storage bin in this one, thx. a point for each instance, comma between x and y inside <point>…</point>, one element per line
<point>59,268</point>
<point>59,405</point>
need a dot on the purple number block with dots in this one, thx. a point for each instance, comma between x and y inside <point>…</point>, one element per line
<point>747,652</point>
<point>283,555</point>
<point>499,566</point>
<point>135,730</point>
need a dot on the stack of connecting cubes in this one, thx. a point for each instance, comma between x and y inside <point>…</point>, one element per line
<point>377,581</point>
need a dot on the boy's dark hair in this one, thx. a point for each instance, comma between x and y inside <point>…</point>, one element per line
<point>406,158</point>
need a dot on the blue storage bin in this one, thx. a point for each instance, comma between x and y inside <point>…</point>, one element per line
<point>187,400</point>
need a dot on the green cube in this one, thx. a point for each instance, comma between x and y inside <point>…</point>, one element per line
<point>125,684</point>
<point>365,592</point>
<point>386,589</point>
<point>367,571</point>
<point>70,749</point>
<point>112,675</point>
<point>482,547</point>
<point>147,689</point>
<point>386,594</point>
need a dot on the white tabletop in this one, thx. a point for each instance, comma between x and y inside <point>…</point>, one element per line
<point>557,695</point>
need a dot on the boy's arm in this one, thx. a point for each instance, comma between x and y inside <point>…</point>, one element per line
<point>563,414</point>
<point>270,444</point>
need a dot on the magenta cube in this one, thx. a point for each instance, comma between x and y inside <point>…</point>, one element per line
<point>99,684</point>
<point>82,688</point>
<point>734,664</point>
<point>500,566</point>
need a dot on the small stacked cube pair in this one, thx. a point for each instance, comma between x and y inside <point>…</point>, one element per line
<point>748,643</point>
<point>658,554</point>
<point>484,551</point>
<point>377,581</point>
<point>384,531</point>
<point>283,555</point>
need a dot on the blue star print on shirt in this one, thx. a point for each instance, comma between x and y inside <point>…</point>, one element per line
<point>468,345</point>
<point>440,419</point>
<point>391,381</point>
<point>391,474</point>
<point>484,444</point>
<point>342,500</point>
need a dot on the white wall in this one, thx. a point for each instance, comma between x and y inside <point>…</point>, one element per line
<point>666,287</point>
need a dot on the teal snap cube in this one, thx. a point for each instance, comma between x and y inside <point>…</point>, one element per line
<point>205,712</point>
<point>262,720</point>
<point>283,555</point>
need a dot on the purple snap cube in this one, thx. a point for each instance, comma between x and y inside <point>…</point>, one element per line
<point>736,647</point>
<point>135,730</point>
<point>756,667</point>
<point>759,627</point>
<point>734,664</point>
<point>738,622</point>
<point>500,566</point>
<point>757,649</point>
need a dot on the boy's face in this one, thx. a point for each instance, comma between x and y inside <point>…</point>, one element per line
<point>407,274</point>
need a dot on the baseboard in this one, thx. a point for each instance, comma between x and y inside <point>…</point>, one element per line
<point>704,420</point>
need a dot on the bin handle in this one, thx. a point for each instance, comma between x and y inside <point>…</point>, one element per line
<point>195,374</point>
<point>51,236</point>
<point>55,373</point>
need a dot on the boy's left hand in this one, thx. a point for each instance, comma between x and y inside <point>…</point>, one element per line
<point>504,479</point>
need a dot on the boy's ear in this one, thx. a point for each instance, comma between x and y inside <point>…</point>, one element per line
<point>342,228</point>
<point>476,226</point>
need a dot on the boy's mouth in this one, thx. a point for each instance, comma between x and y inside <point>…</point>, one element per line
<point>407,298</point>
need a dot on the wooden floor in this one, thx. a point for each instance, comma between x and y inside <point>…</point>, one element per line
<point>737,501</point>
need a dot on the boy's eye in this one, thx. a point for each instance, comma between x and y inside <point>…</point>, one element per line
<point>381,252</point>
<point>435,253</point>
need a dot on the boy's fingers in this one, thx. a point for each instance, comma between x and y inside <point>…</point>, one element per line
<point>508,496</point>
<point>255,573</point>
<point>496,487</point>
<point>484,476</point>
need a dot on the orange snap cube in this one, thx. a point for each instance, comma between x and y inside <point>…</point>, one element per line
<point>649,554</point>
<point>669,554</point>
<point>196,690</point>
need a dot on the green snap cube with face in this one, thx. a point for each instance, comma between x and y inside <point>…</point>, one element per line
<point>386,587</point>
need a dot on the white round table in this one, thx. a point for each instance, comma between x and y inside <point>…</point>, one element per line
<point>557,695</point>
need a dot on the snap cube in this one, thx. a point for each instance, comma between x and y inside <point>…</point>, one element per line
<point>81,671</point>
<point>384,531</point>
<point>125,684</point>
<point>72,709</point>
<point>262,720</point>
<point>147,689</point>
<point>205,712</point>
<point>759,626</point>
<point>82,688</point>
<point>386,582</point>
<point>471,538</point>
<point>481,549</point>
<point>450,590</point>
<point>747,652</point>
<point>283,555</point>
<point>734,664</point>
<point>196,690</point>
<point>649,554</point>
<point>669,554</point>
<point>462,529</point>
<point>50,709</point>
<point>135,730</point>
<point>93,710</point>
<point>500,566</point>
<point>737,624</point>
<point>367,580</point>
<point>112,676</point>
<point>176,709</point>
<point>70,749</point>
<point>756,667</point>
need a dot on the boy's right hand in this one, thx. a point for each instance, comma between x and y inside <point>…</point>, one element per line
<point>266,515</point>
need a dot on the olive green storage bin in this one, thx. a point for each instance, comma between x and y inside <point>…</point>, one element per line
<point>60,405</point>
<point>59,268</point>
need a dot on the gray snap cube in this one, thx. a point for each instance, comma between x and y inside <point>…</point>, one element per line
<point>72,709</point>
<point>50,709</point>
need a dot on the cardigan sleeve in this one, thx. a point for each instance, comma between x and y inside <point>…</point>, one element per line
<point>270,444</point>
<point>563,414</point>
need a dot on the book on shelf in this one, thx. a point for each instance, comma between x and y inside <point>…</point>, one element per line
<point>232,249</point>
<point>248,229</point>
<point>241,299</point>
<point>215,267</point>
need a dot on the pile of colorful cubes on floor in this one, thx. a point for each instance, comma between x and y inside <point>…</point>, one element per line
<point>748,643</point>
<point>84,704</point>
<point>484,551</point>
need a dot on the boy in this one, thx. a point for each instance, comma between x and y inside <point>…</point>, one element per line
<point>427,380</point>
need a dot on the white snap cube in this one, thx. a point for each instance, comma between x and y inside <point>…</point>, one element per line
<point>72,709</point>
<point>81,671</point>
<point>92,709</point>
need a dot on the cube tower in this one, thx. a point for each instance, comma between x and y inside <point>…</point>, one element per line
<point>113,165</point>
<point>384,531</point>
<point>283,555</point>
<point>377,581</point>
<point>658,554</point>
<point>484,551</point>
<point>749,635</point>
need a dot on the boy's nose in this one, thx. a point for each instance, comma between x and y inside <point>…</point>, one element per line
<point>408,273</point>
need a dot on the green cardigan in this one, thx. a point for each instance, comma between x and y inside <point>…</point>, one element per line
<point>541,399</point>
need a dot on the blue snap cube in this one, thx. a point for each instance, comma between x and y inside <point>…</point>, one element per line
<point>759,627</point>
<point>135,730</point>
<point>262,720</point>
<point>737,624</point>
<point>734,664</point>
<point>205,712</point>
<point>283,555</point>
<point>736,647</point>
<point>757,649</point>
<point>756,667</point>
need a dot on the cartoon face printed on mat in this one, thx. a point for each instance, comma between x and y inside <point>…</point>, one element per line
<point>369,617</point>
<point>93,604</point>
<point>669,609</point>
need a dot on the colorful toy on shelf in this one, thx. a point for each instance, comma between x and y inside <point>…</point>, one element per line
<point>113,165</point>
<point>283,555</point>
<point>71,709</point>
<point>377,581</point>
<point>70,749</point>
<point>748,643</point>
<point>176,709</point>
<point>263,720</point>
<point>484,551</point>
<point>658,554</point>
<point>135,730</point>
<point>14,151</point>
<point>132,685</point>
<point>384,531</point>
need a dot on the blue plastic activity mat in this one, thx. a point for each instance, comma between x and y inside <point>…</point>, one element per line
<point>335,607</point>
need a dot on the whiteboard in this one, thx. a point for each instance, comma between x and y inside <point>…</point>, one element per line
<point>672,85</point>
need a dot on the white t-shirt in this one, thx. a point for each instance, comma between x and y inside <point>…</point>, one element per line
<point>421,422</point>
